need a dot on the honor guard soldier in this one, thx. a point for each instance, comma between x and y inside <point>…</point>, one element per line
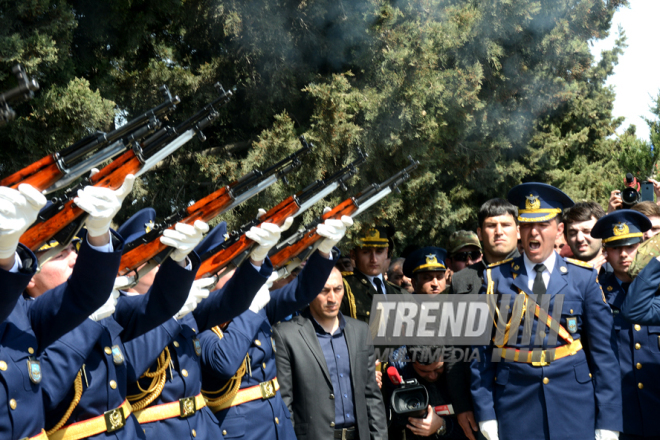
<point>366,280</point>
<point>33,325</point>
<point>238,363</point>
<point>167,399</point>
<point>639,353</point>
<point>538,383</point>
<point>642,303</point>
<point>426,269</point>
<point>91,363</point>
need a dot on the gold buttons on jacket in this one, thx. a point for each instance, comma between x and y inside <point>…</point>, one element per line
<point>639,366</point>
<point>113,384</point>
<point>3,365</point>
<point>590,375</point>
<point>638,346</point>
<point>30,350</point>
<point>176,344</point>
<point>194,433</point>
<point>545,380</point>
<point>640,385</point>
<point>571,311</point>
<point>257,342</point>
<point>277,420</point>
<point>107,350</point>
<point>184,373</point>
<point>332,424</point>
<point>224,432</point>
<point>638,327</point>
<point>264,365</point>
<point>332,396</point>
<point>12,404</point>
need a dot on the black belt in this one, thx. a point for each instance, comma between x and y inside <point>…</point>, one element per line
<point>346,433</point>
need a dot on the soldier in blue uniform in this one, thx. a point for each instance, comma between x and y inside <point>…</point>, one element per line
<point>543,384</point>
<point>238,363</point>
<point>167,399</point>
<point>639,354</point>
<point>34,325</point>
<point>88,399</point>
<point>642,303</point>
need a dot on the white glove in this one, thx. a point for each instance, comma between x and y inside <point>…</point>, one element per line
<point>18,210</point>
<point>102,204</point>
<point>606,434</point>
<point>271,279</point>
<point>200,289</point>
<point>333,230</point>
<point>489,429</point>
<point>106,309</point>
<point>260,299</point>
<point>266,235</point>
<point>184,238</point>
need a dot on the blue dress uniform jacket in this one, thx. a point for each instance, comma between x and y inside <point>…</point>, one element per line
<point>639,359</point>
<point>573,395</point>
<point>100,350</point>
<point>251,333</point>
<point>642,304</point>
<point>34,325</point>
<point>184,379</point>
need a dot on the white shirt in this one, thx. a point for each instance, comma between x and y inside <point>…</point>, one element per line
<point>531,273</point>
<point>379,276</point>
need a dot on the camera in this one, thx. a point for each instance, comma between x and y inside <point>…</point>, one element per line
<point>409,400</point>
<point>635,192</point>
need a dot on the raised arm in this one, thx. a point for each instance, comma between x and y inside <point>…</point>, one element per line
<point>642,304</point>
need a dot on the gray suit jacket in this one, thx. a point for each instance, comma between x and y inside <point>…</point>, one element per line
<point>305,382</point>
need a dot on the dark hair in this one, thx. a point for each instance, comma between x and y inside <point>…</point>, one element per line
<point>647,208</point>
<point>581,212</point>
<point>393,265</point>
<point>424,354</point>
<point>495,207</point>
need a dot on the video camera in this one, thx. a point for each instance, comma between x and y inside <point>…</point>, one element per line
<point>410,399</point>
<point>635,192</point>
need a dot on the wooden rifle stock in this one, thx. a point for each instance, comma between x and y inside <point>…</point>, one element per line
<point>220,260</point>
<point>112,176</point>
<point>279,260</point>
<point>41,174</point>
<point>205,209</point>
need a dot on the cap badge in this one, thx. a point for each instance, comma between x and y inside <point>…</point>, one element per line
<point>431,259</point>
<point>621,229</point>
<point>149,226</point>
<point>372,234</point>
<point>532,202</point>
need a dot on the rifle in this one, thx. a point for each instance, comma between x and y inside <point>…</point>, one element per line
<point>306,237</point>
<point>149,246</point>
<point>62,221</point>
<point>60,169</point>
<point>22,92</point>
<point>238,245</point>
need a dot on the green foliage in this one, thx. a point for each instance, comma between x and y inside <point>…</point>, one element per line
<point>484,93</point>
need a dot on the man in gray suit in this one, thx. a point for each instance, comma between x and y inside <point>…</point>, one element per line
<point>326,371</point>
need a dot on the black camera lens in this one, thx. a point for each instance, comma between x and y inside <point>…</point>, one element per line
<point>629,197</point>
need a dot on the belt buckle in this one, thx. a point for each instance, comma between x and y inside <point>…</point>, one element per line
<point>267,389</point>
<point>542,362</point>
<point>114,419</point>
<point>187,407</point>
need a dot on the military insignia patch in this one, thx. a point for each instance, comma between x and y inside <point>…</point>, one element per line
<point>272,342</point>
<point>117,355</point>
<point>516,267</point>
<point>532,202</point>
<point>34,370</point>
<point>198,347</point>
<point>571,323</point>
<point>621,229</point>
<point>610,288</point>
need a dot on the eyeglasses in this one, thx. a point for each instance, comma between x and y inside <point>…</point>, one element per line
<point>463,256</point>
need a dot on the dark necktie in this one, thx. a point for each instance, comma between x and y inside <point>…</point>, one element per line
<point>538,288</point>
<point>625,286</point>
<point>379,286</point>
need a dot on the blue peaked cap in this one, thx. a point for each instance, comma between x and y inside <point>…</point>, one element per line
<point>213,239</point>
<point>426,259</point>
<point>538,202</point>
<point>137,225</point>
<point>621,228</point>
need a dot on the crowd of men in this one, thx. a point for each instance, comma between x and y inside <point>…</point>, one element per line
<point>247,355</point>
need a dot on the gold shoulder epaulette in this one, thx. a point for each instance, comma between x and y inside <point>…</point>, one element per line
<point>500,262</point>
<point>345,274</point>
<point>579,263</point>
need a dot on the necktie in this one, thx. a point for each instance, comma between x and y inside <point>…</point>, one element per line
<point>538,288</point>
<point>379,286</point>
<point>625,286</point>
